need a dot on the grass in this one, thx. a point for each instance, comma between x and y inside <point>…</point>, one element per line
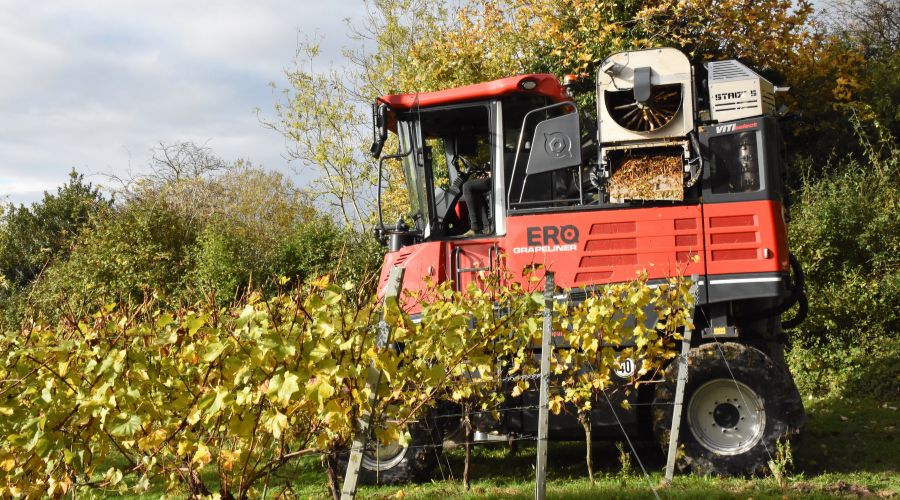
<point>849,448</point>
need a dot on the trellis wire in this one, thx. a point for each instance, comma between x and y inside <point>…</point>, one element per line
<point>542,407</point>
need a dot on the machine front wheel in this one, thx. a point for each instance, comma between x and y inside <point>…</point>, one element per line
<point>738,405</point>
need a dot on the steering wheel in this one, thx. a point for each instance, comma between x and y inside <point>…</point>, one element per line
<point>470,166</point>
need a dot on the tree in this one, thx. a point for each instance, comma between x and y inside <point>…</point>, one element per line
<point>194,226</point>
<point>326,131</point>
<point>183,160</point>
<point>33,239</point>
<point>873,24</point>
<point>779,38</point>
<point>871,28</point>
<point>423,46</point>
<point>30,238</point>
<point>325,115</point>
<point>201,186</point>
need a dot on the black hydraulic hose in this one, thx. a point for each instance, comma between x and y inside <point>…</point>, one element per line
<point>380,217</point>
<point>696,160</point>
<point>799,283</point>
<point>802,312</point>
<point>798,295</point>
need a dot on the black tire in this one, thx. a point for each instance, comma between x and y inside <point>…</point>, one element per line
<point>712,441</point>
<point>394,463</point>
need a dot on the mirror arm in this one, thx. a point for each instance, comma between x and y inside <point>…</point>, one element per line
<point>396,156</point>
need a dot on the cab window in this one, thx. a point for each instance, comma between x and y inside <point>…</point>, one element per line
<point>735,164</point>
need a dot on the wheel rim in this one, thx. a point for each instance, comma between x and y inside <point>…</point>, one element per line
<point>726,416</point>
<point>383,457</point>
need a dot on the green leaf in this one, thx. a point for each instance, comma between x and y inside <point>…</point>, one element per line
<point>126,426</point>
<point>213,351</point>
<point>46,396</point>
<point>275,384</point>
<point>319,352</point>
<point>109,361</point>
<point>242,427</point>
<point>325,391</point>
<point>277,424</point>
<point>288,387</point>
<point>194,323</point>
<point>164,320</point>
<point>194,416</point>
<point>42,446</point>
<point>213,401</point>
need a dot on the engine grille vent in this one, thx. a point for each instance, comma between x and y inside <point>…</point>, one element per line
<point>729,70</point>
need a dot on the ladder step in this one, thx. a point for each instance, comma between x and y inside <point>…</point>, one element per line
<point>472,269</point>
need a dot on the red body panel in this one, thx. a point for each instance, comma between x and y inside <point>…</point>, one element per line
<point>419,261</point>
<point>610,246</point>
<point>546,85</point>
<point>605,246</point>
<point>747,237</point>
<point>466,259</point>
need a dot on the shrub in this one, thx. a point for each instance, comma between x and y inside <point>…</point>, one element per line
<point>319,246</point>
<point>846,233</point>
<point>30,238</point>
<point>222,262</point>
<point>132,253</point>
<point>867,368</point>
<point>34,238</point>
<point>185,239</point>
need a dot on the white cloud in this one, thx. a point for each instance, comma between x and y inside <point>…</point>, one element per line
<point>95,84</point>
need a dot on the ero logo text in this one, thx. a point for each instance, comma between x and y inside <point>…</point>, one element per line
<point>551,235</point>
<point>549,239</point>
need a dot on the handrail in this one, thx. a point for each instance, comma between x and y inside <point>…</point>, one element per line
<point>519,147</point>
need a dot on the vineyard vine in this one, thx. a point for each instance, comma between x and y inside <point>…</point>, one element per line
<point>129,398</point>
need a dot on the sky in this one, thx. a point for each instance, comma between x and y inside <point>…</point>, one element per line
<point>94,84</point>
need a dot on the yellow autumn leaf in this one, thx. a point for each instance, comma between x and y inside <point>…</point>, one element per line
<point>7,461</point>
<point>202,456</point>
<point>322,282</point>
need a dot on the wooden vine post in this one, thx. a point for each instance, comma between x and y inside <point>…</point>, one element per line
<point>351,478</point>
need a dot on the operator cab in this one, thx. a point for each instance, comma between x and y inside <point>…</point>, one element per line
<point>471,135</point>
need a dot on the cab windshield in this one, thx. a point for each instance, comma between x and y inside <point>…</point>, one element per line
<point>450,145</point>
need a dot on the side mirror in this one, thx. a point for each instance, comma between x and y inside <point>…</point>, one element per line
<point>379,128</point>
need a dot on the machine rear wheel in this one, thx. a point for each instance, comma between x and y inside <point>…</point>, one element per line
<point>730,426</point>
